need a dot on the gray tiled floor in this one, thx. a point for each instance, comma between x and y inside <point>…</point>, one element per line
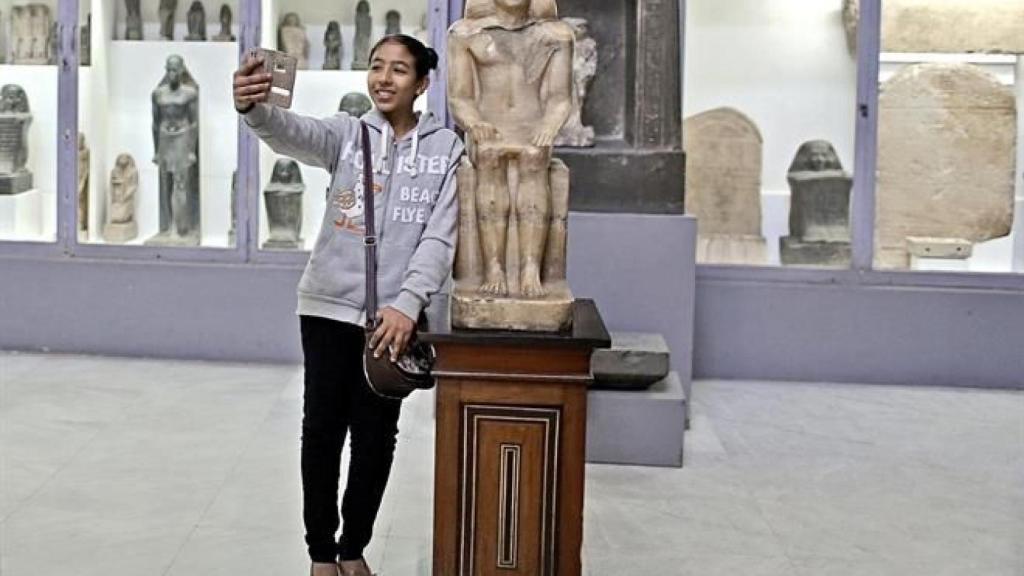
<point>121,467</point>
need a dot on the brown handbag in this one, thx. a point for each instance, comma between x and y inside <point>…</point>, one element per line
<point>412,370</point>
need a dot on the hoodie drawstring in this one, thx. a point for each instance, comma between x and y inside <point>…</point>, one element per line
<point>409,162</point>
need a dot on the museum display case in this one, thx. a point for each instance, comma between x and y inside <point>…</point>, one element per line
<point>949,194</point>
<point>156,114</point>
<point>331,42</point>
<point>769,132</point>
<point>28,122</point>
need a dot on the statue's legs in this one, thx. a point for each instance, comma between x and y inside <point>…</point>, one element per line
<point>533,209</point>
<point>179,204</point>
<point>492,206</point>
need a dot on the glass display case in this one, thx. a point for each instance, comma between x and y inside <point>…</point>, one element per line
<point>155,107</point>
<point>770,101</point>
<point>332,41</point>
<point>949,194</point>
<point>28,121</point>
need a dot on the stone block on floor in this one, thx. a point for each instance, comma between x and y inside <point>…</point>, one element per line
<point>634,361</point>
<point>643,428</point>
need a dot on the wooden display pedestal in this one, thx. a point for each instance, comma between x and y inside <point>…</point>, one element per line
<point>511,437</point>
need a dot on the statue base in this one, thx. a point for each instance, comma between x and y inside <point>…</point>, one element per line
<point>168,239</point>
<point>275,244</point>
<point>119,233</point>
<point>16,183</point>
<point>737,249</point>
<point>473,310</point>
<point>796,252</point>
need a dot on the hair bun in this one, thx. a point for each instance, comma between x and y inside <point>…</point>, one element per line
<point>432,58</point>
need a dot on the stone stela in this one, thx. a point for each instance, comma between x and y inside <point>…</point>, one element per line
<point>513,196</point>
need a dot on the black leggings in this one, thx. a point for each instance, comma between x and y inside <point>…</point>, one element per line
<point>337,400</point>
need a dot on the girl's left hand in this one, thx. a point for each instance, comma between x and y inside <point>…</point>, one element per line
<point>394,330</point>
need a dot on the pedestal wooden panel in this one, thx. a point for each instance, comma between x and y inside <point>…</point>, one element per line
<point>511,437</point>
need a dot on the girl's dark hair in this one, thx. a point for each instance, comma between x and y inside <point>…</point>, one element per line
<point>425,57</point>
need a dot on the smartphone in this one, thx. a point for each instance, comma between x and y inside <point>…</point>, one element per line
<point>282,67</point>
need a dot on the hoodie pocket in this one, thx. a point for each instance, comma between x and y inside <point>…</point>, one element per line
<point>392,265</point>
<point>337,269</point>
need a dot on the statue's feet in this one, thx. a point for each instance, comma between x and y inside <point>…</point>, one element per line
<point>494,282</point>
<point>530,282</point>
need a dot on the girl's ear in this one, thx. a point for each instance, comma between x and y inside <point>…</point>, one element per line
<point>424,83</point>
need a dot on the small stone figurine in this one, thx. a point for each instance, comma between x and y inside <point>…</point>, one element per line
<point>361,45</point>
<point>332,46</point>
<point>819,214</point>
<point>225,34</point>
<point>392,22</point>
<point>196,22</point>
<point>133,20</point>
<point>15,119</point>
<point>83,187</point>
<point>124,183</point>
<point>283,197</point>
<point>166,12</point>
<point>292,40</point>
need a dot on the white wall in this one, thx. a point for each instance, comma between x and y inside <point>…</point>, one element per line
<point>782,63</point>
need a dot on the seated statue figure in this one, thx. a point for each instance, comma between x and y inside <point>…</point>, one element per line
<point>511,91</point>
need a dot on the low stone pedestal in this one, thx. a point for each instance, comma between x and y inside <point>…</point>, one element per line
<point>119,233</point>
<point>644,428</point>
<point>16,183</point>
<point>796,252</point>
<point>634,362</point>
<point>552,314</point>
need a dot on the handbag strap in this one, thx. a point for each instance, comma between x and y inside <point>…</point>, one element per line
<point>370,238</point>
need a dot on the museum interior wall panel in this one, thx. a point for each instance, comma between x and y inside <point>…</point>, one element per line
<point>28,123</point>
<point>780,73</point>
<point>122,125</point>
<point>319,93</point>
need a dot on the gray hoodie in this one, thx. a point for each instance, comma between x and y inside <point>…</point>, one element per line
<point>415,208</point>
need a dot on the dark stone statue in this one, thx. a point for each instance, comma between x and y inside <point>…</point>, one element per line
<point>355,104</point>
<point>819,213</point>
<point>176,143</point>
<point>225,34</point>
<point>361,45</point>
<point>196,22</point>
<point>392,22</point>
<point>133,21</point>
<point>166,12</point>
<point>85,57</point>
<point>15,119</point>
<point>332,46</point>
<point>283,197</point>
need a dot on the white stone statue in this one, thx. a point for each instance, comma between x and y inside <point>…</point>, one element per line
<point>124,183</point>
<point>292,39</point>
<point>510,272</point>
